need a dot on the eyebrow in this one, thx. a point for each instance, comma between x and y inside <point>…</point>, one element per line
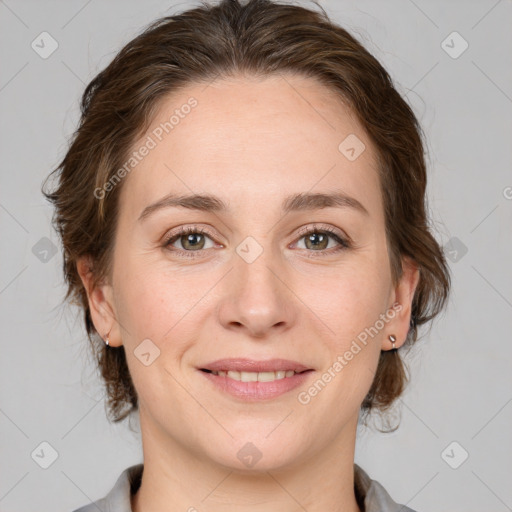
<point>294,203</point>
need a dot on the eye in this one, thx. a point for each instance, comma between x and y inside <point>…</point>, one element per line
<point>191,239</point>
<point>194,239</point>
<point>317,240</point>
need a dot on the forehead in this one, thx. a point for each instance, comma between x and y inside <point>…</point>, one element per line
<point>246,139</point>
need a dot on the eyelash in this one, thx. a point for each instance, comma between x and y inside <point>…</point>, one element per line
<point>344,244</point>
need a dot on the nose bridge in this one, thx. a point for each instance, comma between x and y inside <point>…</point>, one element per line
<point>253,268</point>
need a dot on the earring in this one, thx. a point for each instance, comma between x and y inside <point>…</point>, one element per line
<point>106,340</point>
<point>392,338</point>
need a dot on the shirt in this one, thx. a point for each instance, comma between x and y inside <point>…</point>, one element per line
<point>370,494</point>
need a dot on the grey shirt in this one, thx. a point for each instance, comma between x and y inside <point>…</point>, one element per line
<point>371,496</point>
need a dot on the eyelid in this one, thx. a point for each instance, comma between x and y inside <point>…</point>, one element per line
<point>324,228</point>
<point>308,228</point>
<point>183,230</point>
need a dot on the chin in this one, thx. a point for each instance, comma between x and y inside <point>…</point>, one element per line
<point>256,454</point>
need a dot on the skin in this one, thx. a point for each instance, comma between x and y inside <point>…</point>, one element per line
<point>251,142</point>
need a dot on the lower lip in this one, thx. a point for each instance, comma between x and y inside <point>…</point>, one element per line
<point>253,391</point>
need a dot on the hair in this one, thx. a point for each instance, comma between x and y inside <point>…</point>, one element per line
<point>260,38</point>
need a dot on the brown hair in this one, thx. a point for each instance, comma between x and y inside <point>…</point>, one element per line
<point>260,38</point>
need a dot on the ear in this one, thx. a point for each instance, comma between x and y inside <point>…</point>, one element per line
<point>101,303</point>
<point>402,296</point>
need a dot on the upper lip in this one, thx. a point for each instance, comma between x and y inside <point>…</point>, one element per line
<point>252,365</point>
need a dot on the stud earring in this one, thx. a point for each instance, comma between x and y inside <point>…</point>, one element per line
<point>107,340</point>
<point>392,338</point>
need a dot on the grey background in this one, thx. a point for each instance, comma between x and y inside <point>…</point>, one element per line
<point>461,385</point>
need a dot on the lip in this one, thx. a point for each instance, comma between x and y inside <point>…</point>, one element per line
<point>257,391</point>
<point>252,365</point>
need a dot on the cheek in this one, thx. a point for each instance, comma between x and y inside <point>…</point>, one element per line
<point>152,307</point>
<point>143,288</point>
<point>348,298</point>
<point>349,305</point>
<point>161,305</point>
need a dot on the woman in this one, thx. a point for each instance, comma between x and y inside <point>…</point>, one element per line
<point>243,217</point>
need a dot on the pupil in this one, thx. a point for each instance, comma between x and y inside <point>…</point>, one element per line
<point>317,239</point>
<point>193,240</point>
<point>315,236</point>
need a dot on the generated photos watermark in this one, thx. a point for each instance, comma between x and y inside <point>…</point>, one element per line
<point>304,397</point>
<point>151,142</point>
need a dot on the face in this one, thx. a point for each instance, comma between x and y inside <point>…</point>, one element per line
<point>280,272</point>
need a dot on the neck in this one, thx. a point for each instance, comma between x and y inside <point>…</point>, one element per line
<point>175,478</point>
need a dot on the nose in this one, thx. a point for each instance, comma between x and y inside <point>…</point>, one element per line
<point>256,300</point>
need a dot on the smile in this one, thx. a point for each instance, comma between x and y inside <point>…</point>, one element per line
<point>254,376</point>
<point>255,386</point>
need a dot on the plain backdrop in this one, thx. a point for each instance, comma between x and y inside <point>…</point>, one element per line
<point>453,450</point>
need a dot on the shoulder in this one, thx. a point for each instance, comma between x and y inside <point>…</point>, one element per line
<point>98,504</point>
<point>373,495</point>
<point>118,498</point>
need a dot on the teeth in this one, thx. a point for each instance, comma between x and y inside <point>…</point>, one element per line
<point>255,376</point>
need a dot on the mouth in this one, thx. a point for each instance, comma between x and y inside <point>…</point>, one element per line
<point>244,376</point>
<point>250,370</point>
<point>252,381</point>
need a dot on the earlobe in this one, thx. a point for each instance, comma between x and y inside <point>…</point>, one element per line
<point>99,299</point>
